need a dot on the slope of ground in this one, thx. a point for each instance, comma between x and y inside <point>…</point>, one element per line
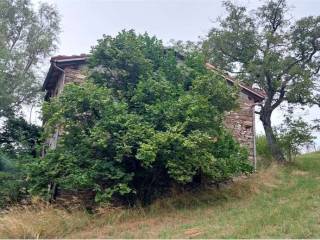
<point>280,202</point>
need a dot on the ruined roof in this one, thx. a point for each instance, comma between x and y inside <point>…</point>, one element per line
<point>61,58</point>
<point>260,95</point>
<point>58,63</point>
<point>61,61</point>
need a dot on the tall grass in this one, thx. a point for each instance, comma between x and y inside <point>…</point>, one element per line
<point>276,202</point>
<point>40,221</point>
<point>44,221</point>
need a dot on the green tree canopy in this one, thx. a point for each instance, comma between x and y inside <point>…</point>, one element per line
<point>266,48</point>
<point>26,37</point>
<point>145,120</point>
<point>18,137</point>
<point>18,141</point>
<point>293,134</point>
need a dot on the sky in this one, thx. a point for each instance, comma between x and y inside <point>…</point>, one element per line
<point>85,21</point>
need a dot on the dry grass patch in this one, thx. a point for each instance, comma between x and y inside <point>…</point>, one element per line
<point>40,221</point>
<point>299,173</point>
<point>182,209</point>
<point>193,232</point>
<point>164,218</point>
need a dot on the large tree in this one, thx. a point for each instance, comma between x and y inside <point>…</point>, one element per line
<point>144,121</point>
<point>26,37</point>
<point>269,50</point>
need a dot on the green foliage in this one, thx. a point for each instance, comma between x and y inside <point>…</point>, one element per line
<point>18,137</point>
<point>262,147</point>
<point>263,152</point>
<point>89,151</point>
<point>26,38</point>
<point>13,185</point>
<point>18,141</point>
<point>293,135</point>
<point>267,49</point>
<point>144,121</point>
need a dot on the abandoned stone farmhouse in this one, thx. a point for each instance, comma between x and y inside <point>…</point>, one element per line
<point>241,122</point>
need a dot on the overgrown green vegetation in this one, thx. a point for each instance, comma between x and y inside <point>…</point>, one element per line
<point>279,202</point>
<point>27,37</point>
<point>18,141</point>
<point>263,152</point>
<point>145,121</point>
<point>293,135</point>
<point>148,123</point>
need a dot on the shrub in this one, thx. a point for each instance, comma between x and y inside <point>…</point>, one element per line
<point>292,135</point>
<point>12,184</point>
<point>263,152</point>
<point>143,122</point>
<point>18,141</point>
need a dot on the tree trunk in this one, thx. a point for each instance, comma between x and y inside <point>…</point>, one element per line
<point>271,139</point>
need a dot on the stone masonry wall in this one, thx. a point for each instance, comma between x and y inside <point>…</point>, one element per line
<point>71,74</point>
<point>74,74</point>
<point>241,123</point>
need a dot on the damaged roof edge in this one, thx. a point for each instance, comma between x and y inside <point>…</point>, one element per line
<point>259,95</point>
<point>62,60</point>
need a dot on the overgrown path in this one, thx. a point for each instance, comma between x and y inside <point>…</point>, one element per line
<point>274,203</point>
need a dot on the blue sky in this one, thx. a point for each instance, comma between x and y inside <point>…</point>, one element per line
<point>85,21</point>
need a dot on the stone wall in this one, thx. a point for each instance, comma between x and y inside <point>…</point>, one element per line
<point>241,123</point>
<point>71,74</point>
<point>74,74</point>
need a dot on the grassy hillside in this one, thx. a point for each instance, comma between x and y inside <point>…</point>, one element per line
<point>277,202</point>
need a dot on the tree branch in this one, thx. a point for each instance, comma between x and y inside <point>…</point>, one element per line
<point>16,39</point>
<point>274,22</point>
<point>282,92</point>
